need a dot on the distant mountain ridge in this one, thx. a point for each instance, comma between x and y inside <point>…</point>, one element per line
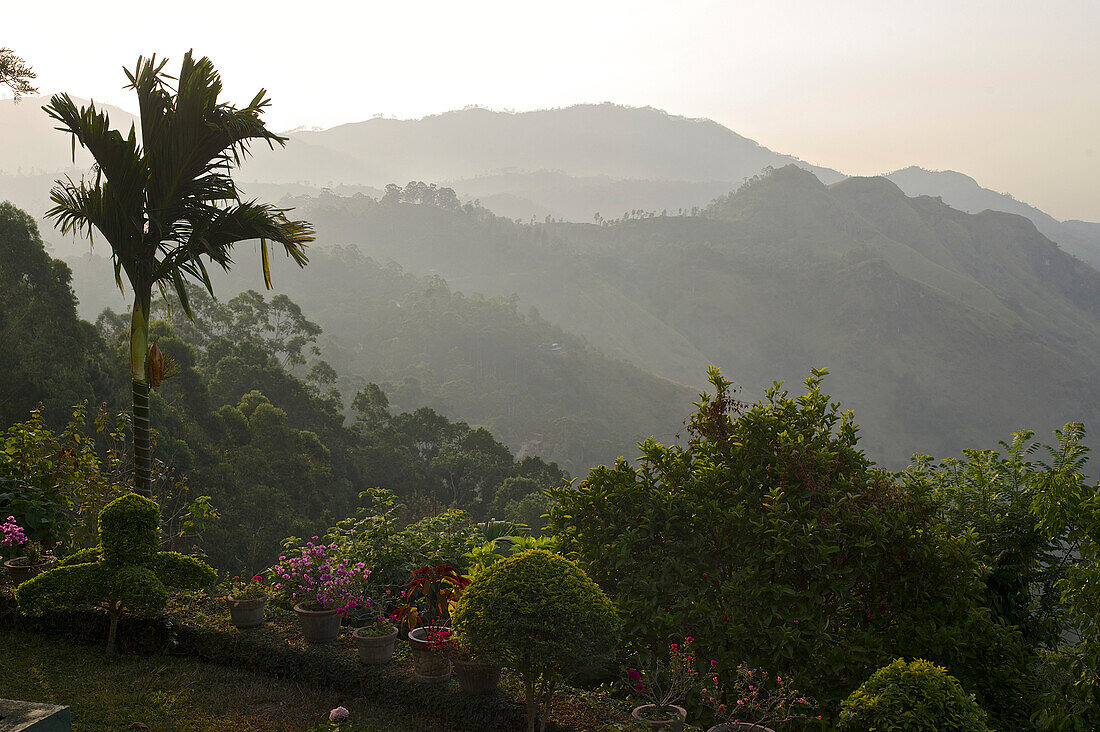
<point>942,329</point>
<point>960,191</point>
<point>569,163</point>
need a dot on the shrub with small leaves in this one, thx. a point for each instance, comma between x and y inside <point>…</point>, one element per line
<point>126,572</point>
<point>918,696</point>
<point>539,614</point>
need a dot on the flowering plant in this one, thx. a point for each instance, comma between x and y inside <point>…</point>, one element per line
<point>445,642</point>
<point>430,595</point>
<point>11,533</point>
<point>664,684</point>
<point>320,579</point>
<point>756,697</point>
<point>239,589</point>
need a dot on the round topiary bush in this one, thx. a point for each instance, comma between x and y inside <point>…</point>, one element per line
<point>911,697</point>
<point>125,572</point>
<point>539,614</point>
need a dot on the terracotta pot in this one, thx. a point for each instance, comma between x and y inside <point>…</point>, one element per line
<point>374,649</point>
<point>671,718</point>
<point>739,727</point>
<point>19,571</point>
<point>477,678</point>
<point>318,626</point>
<point>246,614</point>
<point>429,665</point>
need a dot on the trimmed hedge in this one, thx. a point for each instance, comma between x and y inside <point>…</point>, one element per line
<point>918,696</point>
<point>197,626</point>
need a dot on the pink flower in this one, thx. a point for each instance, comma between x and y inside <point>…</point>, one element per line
<point>634,675</point>
<point>639,687</point>
<point>689,639</point>
<point>337,714</point>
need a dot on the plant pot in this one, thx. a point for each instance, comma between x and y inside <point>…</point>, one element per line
<point>477,678</point>
<point>375,649</point>
<point>246,614</point>
<point>739,727</point>
<point>429,665</point>
<point>318,626</point>
<point>672,717</point>
<point>20,571</point>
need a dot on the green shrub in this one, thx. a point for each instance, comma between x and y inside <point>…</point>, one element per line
<point>126,572</point>
<point>539,614</point>
<point>129,529</point>
<point>776,543</point>
<point>377,537</point>
<point>911,697</point>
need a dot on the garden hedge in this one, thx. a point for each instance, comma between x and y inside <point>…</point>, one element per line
<point>198,627</point>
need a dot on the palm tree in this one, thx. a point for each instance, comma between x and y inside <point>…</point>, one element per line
<point>168,203</point>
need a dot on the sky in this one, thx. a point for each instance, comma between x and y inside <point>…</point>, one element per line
<point>1005,91</point>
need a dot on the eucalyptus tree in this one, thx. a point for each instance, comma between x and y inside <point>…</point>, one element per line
<point>166,204</point>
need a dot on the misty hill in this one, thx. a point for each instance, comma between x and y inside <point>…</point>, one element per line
<point>943,329</point>
<point>541,390</point>
<point>571,164</point>
<point>583,140</point>
<point>960,191</point>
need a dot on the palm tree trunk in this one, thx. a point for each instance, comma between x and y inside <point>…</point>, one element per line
<point>139,349</point>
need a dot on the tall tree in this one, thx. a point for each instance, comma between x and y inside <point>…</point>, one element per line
<point>16,74</point>
<point>167,204</point>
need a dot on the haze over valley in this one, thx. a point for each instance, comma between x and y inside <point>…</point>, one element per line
<point>949,315</point>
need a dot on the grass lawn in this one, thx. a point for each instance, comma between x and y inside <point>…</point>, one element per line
<point>169,693</point>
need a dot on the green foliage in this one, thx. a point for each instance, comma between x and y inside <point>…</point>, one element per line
<point>539,614</point>
<point>90,555</point>
<point>16,74</point>
<point>393,550</point>
<point>773,541</point>
<point>125,572</point>
<point>911,697</point>
<point>128,531</point>
<point>530,511</point>
<point>1068,512</point>
<point>55,481</point>
<point>992,496</point>
<point>49,355</point>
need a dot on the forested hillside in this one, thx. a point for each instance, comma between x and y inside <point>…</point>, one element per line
<point>483,360</point>
<point>238,434</point>
<point>941,328</point>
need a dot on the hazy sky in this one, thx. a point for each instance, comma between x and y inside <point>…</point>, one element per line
<point>1005,91</point>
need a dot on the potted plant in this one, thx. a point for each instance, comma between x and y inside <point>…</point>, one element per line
<point>323,587</point>
<point>474,675</point>
<point>32,560</point>
<point>374,638</point>
<point>754,700</point>
<point>246,601</point>
<point>426,612</point>
<point>662,685</point>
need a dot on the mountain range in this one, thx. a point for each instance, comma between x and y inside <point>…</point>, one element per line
<point>949,315</point>
<point>573,163</point>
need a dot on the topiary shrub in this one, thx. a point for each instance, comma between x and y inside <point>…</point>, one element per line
<point>126,572</point>
<point>918,696</point>
<point>540,615</point>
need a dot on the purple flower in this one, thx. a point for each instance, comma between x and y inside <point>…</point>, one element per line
<point>338,714</point>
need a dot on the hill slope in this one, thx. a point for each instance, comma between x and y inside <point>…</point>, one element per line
<point>963,192</point>
<point>943,329</point>
<point>537,388</point>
